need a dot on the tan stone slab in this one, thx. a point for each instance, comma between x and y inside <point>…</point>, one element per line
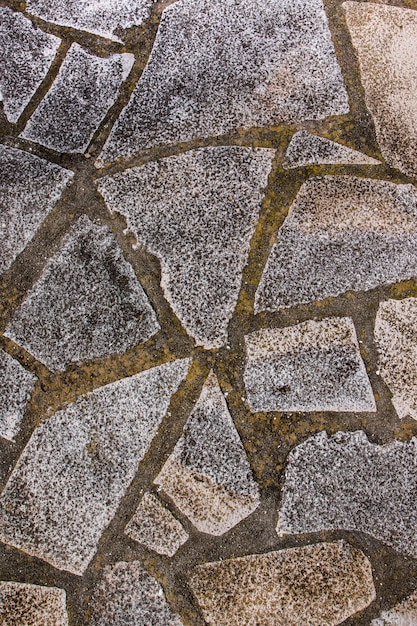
<point>31,605</point>
<point>402,614</point>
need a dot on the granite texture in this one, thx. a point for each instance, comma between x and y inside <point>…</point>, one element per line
<point>22,604</point>
<point>16,386</point>
<point>307,149</point>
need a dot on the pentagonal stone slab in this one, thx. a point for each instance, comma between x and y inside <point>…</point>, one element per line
<point>307,149</point>
<point>76,104</point>
<point>16,385</point>
<point>403,614</point>
<point>31,605</point>
<point>78,464</point>
<point>87,304</point>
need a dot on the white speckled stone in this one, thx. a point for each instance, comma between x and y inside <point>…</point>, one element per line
<point>315,585</point>
<point>29,189</point>
<point>196,212</point>
<point>208,476</point>
<point>76,104</point>
<point>313,366</point>
<point>78,464</point>
<point>16,385</point>
<point>26,54</point>
<point>403,614</point>
<point>346,482</point>
<point>342,233</point>
<point>87,304</point>
<point>31,605</point>
<point>221,65</point>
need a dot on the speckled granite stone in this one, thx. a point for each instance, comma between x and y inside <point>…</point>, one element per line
<point>16,385</point>
<point>31,605</point>
<point>307,149</point>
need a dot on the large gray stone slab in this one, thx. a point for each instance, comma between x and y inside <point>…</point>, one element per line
<point>75,469</point>
<point>87,304</point>
<point>22,604</point>
<point>220,66</point>
<point>196,212</point>
<point>16,385</point>
<point>342,233</point>
<point>402,614</point>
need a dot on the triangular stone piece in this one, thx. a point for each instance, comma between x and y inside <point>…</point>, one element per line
<point>307,149</point>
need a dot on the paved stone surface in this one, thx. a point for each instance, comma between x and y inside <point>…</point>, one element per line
<point>342,233</point>
<point>403,614</point>
<point>84,90</point>
<point>155,527</point>
<point>31,605</point>
<point>16,385</point>
<point>71,476</point>
<point>87,304</point>
<point>313,366</point>
<point>315,585</point>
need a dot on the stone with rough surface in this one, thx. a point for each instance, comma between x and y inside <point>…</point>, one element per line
<point>78,464</point>
<point>315,585</point>
<point>307,149</point>
<point>16,385</point>
<point>403,614</point>
<point>22,604</point>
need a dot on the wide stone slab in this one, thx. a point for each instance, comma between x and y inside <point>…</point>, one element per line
<point>31,605</point>
<point>307,149</point>
<point>75,469</point>
<point>16,385</point>
<point>403,614</point>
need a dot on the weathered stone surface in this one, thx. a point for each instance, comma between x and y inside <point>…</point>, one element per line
<point>385,41</point>
<point>341,233</point>
<point>129,595</point>
<point>313,366</point>
<point>403,614</point>
<point>31,605</point>
<point>318,585</point>
<point>29,189</point>
<point>16,385</point>
<point>155,527</point>
<point>76,104</point>
<point>307,149</point>
<point>87,304</point>
<point>26,54</point>
<point>197,213</point>
<point>346,482</point>
<point>219,66</point>
<point>208,475</point>
<point>77,465</point>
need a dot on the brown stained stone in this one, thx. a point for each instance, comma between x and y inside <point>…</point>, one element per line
<point>402,614</point>
<point>31,605</point>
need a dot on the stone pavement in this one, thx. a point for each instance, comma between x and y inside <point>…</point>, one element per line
<point>208,349</point>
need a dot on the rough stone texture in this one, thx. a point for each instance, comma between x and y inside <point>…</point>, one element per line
<point>347,482</point>
<point>208,475</point>
<point>155,527</point>
<point>129,595</point>
<point>341,233</point>
<point>197,213</point>
<point>403,614</point>
<point>29,189</point>
<point>16,385</point>
<point>26,54</point>
<point>318,585</point>
<point>307,149</point>
<point>313,366</point>
<point>77,465</point>
<point>30,605</point>
<point>87,304</point>
<point>218,66</point>
<point>385,41</point>
<point>76,104</point>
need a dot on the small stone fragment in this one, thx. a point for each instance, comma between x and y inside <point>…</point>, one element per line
<point>155,527</point>
<point>342,233</point>
<point>208,476</point>
<point>78,464</point>
<point>321,584</point>
<point>76,104</point>
<point>87,304</point>
<point>29,189</point>
<point>346,482</point>
<point>127,594</point>
<point>385,41</point>
<point>26,54</point>
<point>16,385</point>
<point>22,604</point>
<point>313,366</point>
<point>219,66</point>
<point>403,614</point>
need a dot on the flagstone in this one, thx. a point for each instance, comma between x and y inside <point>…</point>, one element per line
<point>22,604</point>
<point>16,386</point>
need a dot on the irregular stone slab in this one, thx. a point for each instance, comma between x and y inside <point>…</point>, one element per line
<point>384,38</point>
<point>31,605</point>
<point>76,104</point>
<point>78,464</point>
<point>208,476</point>
<point>129,595</point>
<point>221,66</point>
<point>197,213</point>
<point>342,233</point>
<point>155,527</point>
<point>313,366</point>
<point>307,149</point>
<point>403,614</point>
<point>26,54</point>
<point>29,189</point>
<point>87,304</point>
<point>346,482</point>
<point>16,385</point>
<point>318,584</point>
